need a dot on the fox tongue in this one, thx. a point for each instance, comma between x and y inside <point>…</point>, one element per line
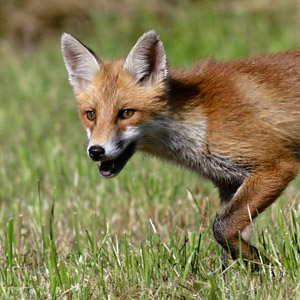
<point>111,168</point>
<point>107,168</point>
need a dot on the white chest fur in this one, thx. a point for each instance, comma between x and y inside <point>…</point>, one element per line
<point>184,143</point>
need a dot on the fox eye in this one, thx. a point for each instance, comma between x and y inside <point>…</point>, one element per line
<point>126,114</point>
<point>90,115</point>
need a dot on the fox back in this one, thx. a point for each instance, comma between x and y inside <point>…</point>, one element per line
<point>235,123</point>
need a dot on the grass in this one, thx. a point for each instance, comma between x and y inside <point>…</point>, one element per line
<point>65,233</point>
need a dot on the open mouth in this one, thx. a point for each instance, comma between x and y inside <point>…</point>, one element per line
<point>111,168</point>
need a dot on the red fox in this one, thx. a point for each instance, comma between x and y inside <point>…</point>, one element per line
<point>236,123</point>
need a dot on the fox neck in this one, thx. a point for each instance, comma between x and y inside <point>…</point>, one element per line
<point>183,143</point>
<point>179,135</point>
<point>172,139</point>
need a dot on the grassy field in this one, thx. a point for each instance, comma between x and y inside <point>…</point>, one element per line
<point>66,233</point>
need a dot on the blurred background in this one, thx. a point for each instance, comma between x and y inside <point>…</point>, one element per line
<point>42,152</point>
<point>29,23</point>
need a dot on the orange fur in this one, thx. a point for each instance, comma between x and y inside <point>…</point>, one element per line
<point>237,123</point>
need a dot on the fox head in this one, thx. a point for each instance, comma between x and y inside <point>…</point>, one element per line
<point>117,100</point>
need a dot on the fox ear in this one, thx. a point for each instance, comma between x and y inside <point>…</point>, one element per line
<point>81,63</point>
<point>147,61</point>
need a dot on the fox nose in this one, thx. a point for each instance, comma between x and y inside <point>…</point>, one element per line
<point>96,152</point>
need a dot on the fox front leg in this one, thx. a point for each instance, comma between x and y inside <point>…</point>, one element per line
<point>226,193</point>
<point>255,194</point>
<point>246,236</point>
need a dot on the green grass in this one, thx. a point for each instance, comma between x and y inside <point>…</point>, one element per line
<point>66,233</point>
